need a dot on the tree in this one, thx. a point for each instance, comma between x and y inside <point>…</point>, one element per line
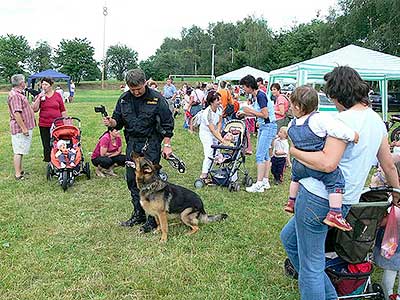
<point>75,58</point>
<point>41,57</point>
<point>120,59</point>
<point>14,54</point>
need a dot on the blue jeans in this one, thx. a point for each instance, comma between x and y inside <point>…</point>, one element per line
<point>266,134</point>
<point>303,238</point>
<point>333,181</point>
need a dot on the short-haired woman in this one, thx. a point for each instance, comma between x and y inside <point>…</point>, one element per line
<point>210,129</point>
<point>51,106</point>
<point>303,237</point>
<point>263,110</point>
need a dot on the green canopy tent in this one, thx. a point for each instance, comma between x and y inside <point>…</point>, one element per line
<point>371,65</point>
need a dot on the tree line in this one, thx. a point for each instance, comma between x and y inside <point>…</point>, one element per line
<point>374,24</point>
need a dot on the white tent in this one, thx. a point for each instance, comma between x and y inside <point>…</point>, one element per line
<point>371,65</point>
<point>240,73</point>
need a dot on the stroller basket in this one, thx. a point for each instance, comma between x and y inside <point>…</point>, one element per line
<point>354,246</point>
<point>345,282</point>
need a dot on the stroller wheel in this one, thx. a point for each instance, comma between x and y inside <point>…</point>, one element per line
<point>199,183</point>
<point>49,171</point>
<point>376,288</point>
<point>247,181</point>
<point>237,187</point>
<point>64,180</point>
<point>87,170</point>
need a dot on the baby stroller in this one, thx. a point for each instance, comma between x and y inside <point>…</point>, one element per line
<point>227,161</point>
<point>348,259</point>
<point>72,136</point>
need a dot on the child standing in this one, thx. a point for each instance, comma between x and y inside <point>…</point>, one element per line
<point>308,132</point>
<point>391,266</point>
<point>279,155</point>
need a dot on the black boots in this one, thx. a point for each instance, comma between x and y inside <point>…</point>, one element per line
<point>135,219</point>
<point>149,226</point>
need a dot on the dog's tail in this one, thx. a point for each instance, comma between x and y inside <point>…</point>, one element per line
<point>204,218</point>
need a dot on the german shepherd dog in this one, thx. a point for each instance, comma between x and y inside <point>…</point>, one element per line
<point>160,199</point>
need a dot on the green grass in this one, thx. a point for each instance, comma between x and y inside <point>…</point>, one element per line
<point>56,245</point>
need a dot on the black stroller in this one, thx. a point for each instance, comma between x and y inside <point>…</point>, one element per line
<point>229,161</point>
<point>72,136</point>
<point>348,261</point>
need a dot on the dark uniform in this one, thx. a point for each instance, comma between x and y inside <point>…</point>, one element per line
<point>146,121</point>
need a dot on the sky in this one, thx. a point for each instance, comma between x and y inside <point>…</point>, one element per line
<point>142,25</point>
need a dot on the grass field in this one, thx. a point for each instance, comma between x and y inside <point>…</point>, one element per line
<point>56,245</point>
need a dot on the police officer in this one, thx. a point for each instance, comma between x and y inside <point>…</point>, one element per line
<point>148,127</point>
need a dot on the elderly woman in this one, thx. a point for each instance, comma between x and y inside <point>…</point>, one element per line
<point>210,129</point>
<point>304,235</point>
<point>51,106</point>
<point>263,110</point>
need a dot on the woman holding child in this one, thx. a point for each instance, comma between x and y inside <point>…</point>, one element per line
<point>303,237</point>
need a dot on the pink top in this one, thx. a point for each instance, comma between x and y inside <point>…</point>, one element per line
<point>105,142</point>
<point>17,102</point>
<point>50,109</point>
<point>281,100</point>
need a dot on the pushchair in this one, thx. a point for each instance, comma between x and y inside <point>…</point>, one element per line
<point>348,254</point>
<point>72,136</point>
<point>225,172</point>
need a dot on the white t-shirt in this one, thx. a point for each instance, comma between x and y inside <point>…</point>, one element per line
<point>358,158</point>
<point>281,145</point>
<point>324,124</point>
<point>198,96</point>
<point>209,117</point>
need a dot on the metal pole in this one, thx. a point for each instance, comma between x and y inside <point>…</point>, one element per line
<point>230,48</point>
<point>212,62</point>
<point>105,13</point>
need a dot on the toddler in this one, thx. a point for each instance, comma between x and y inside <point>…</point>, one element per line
<point>279,155</point>
<point>308,132</point>
<point>63,153</point>
<point>227,140</point>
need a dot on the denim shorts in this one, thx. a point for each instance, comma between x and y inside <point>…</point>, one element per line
<point>266,134</point>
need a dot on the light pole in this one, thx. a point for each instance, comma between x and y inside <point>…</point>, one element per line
<point>105,13</point>
<point>212,62</point>
<point>230,48</point>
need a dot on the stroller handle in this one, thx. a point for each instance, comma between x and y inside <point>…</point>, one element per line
<point>388,189</point>
<point>67,118</point>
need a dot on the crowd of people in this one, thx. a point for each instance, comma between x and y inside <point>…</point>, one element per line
<point>330,158</point>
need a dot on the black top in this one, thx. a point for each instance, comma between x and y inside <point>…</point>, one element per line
<point>139,115</point>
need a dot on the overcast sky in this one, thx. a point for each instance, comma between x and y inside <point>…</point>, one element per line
<point>141,25</point>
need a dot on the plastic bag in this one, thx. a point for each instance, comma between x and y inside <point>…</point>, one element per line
<point>390,239</point>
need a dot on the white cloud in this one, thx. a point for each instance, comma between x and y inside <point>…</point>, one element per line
<point>141,25</point>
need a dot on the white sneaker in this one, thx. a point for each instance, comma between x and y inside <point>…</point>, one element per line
<point>266,185</point>
<point>255,188</point>
<point>62,165</point>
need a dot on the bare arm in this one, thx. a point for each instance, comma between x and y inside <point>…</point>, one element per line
<point>36,103</point>
<point>248,111</point>
<point>20,122</point>
<point>281,110</point>
<point>386,162</point>
<point>326,160</point>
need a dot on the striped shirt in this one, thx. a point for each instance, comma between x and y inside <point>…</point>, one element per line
<point>17,102</point>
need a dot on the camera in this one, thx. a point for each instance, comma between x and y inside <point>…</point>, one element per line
<point>101,109</point>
